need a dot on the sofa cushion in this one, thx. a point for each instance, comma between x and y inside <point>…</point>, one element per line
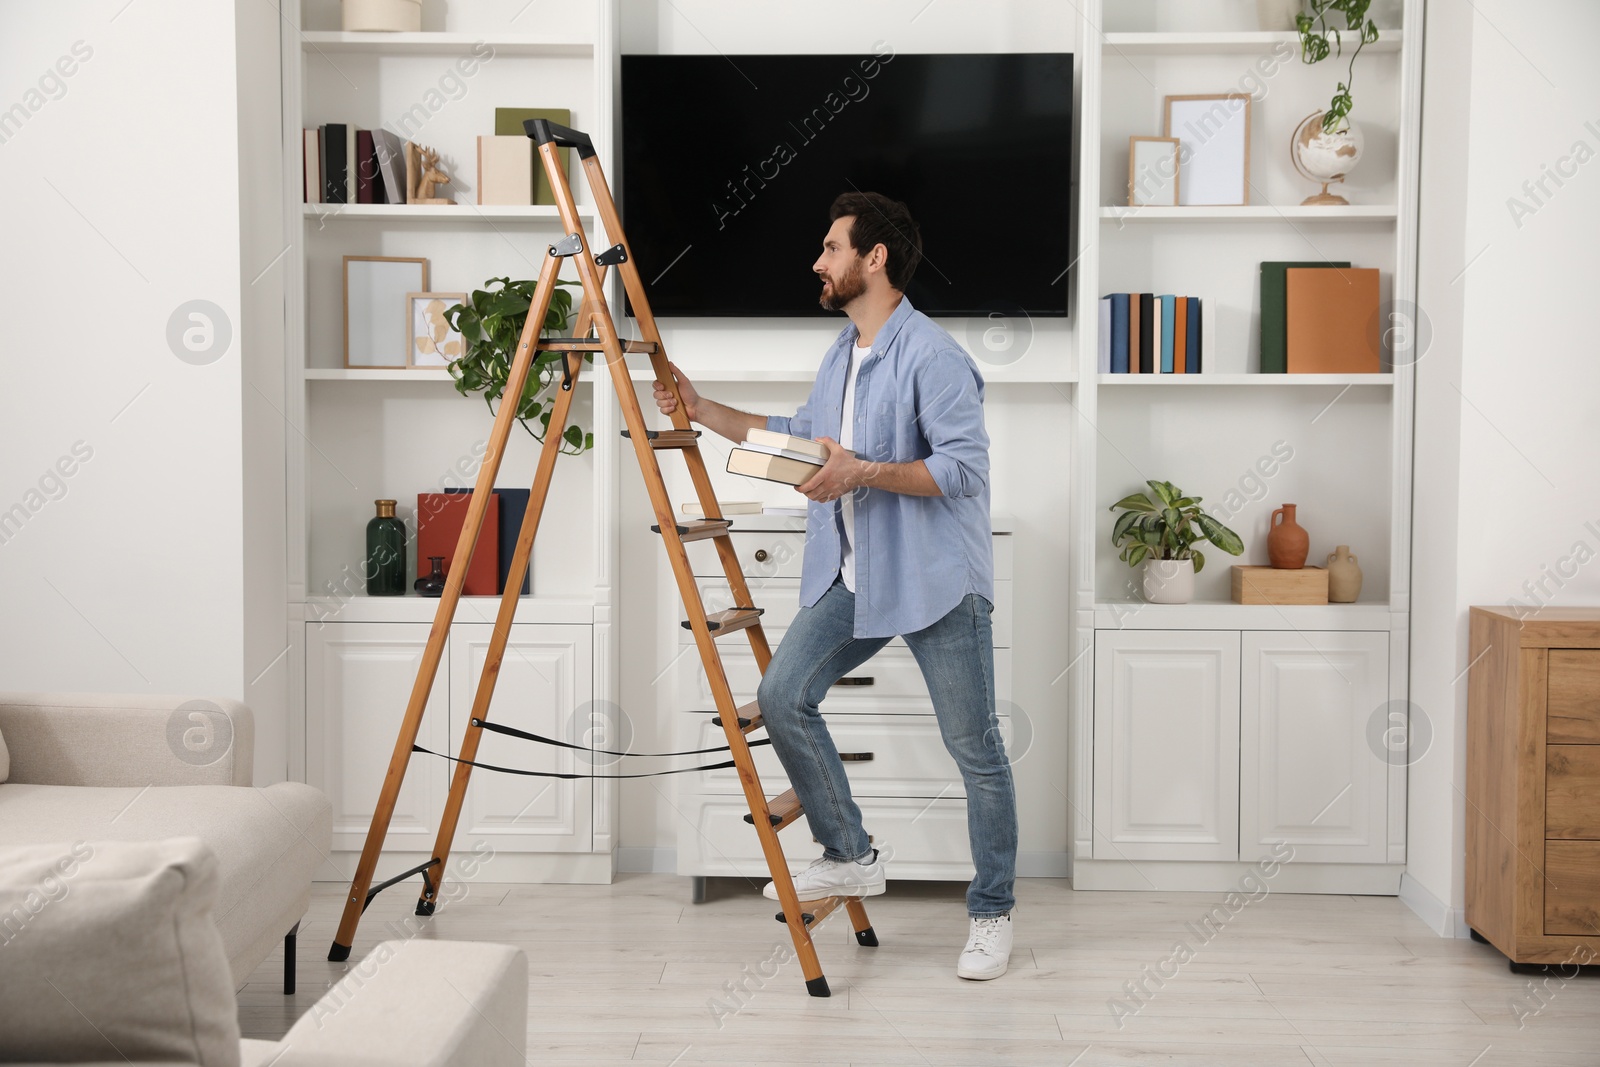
<point>268,843</point>
<point>111,953</point>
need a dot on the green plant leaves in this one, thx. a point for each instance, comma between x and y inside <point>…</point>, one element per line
<point>1144,530</point>
<point>1136,502</point>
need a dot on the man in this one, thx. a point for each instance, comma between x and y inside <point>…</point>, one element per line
<point>897,544</point>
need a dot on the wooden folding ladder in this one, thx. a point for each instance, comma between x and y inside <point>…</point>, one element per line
<point>595,332</point>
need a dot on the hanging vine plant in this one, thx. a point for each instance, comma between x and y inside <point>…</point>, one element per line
<point>490,324</point>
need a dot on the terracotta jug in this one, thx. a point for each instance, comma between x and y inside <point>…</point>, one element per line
<point>1344,576</point>
<point>1287,541</point>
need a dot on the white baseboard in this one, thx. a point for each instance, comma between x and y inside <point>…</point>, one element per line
<point>1440,917</point>
<point>1043,865</point>
<point>636,859</point>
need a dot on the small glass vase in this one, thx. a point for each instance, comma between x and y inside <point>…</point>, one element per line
<point>385,565</point>
<point>432,583</point>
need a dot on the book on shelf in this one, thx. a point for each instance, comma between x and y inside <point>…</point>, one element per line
<point>505,170</point>
<point>1331,320</point>
<point>335,177</point>
<point>1274,323</point>
<point>369,187</point>
<point>390,151</point>
<point>311,166</point>
<point>508,123</point>
<point>773,468</point>
<point>785,444</point>
<point>440,517</point>
<point>513,507</point>
<point>727,507</point>
<point>1154,333</point>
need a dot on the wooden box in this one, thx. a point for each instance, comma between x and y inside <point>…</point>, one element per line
<point>1268,585</point>
<point>1533,784</point>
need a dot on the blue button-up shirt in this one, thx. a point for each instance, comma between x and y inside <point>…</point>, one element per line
<point>918,396</point>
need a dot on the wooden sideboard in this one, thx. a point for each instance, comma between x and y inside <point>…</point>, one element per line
<point>1533,784</point>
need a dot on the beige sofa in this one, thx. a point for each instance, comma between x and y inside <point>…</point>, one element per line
<point>106,767</point>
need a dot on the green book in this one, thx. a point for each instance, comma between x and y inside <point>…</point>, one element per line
<point>1274,315</point>
<point>508,123</point>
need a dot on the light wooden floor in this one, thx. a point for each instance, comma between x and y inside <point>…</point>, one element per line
<point>630,973</point>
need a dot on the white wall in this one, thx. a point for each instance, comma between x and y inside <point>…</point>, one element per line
<point>123,188</point>
<point>1028,423</point>
<point>1508,394</point>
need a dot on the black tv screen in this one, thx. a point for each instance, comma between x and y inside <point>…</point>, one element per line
<point>730,164</point>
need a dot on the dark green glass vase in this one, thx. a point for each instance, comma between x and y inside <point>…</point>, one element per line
<point>386,553</point>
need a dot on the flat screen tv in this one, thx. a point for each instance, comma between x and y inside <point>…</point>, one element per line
<point>730,163</point>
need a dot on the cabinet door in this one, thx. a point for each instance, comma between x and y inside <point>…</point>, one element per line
<point>1166,745</point>
<point>1310,774</point>
<point>545,687</point>
<point>358,681</point>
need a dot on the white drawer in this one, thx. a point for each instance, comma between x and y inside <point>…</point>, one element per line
<point>905,757</point>
<point>896,685</point>
<point>928,839</point>
<point>780,599</point>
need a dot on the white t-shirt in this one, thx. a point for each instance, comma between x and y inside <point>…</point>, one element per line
<point>847,504</point>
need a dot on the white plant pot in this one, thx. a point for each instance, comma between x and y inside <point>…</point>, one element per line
<point>1168,581</point>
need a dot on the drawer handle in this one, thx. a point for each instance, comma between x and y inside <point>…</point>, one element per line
<point>864,679</point>
<point>856,757</point>
<point>761,555</point>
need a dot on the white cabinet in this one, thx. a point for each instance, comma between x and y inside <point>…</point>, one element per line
<point>908,788</point>
<point>1310,775</point>
<point>1218,744</point>
<point>1166,726</point>
<point>359,677</point>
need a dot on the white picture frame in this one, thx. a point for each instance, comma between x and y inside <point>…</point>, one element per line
<point>1214,150</point>
<point>1153,166</point>
<point>431,343</point>
<point>375,289</point>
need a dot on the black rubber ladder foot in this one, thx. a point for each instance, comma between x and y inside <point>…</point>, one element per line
<point>867,937</point>
<point>426,907</point>
<point>338,953</point>
<point>818,986</point>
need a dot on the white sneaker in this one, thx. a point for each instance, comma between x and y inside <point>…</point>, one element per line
<point>988,951</point>
<point>836,878</point>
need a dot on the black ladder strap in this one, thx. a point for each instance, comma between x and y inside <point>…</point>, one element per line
<point>511,731</point>
<point>569,774</point>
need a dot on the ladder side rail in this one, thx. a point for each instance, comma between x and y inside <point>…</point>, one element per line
<point>433,652</point>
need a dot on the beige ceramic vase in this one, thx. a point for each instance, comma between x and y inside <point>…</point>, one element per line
<point>1344,576</point>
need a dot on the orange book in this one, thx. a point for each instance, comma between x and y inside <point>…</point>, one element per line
<point>440,517</point>
<point>1180,336</point>
<point>1332,319</point>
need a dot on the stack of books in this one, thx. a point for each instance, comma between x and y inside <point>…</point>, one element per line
<point>1149,333</point>
<point>1319,318</point>
<point>344,165</point>
<point>777,457</point>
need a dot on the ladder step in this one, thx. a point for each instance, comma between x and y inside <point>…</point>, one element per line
<point>670,438</point>
<point>782,810</point>
<point>593,344</point>
<point>749,716</point>
<point>698,530</point>
<point>726,622</point>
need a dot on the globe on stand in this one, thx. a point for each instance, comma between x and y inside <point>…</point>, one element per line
<point>1325,157</point>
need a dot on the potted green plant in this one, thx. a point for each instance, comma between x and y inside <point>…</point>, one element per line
<point>490,324</point>
<point>1326,144</point>
<point>1160,534</point>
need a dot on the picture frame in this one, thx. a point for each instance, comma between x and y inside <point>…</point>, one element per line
<point>1153,171</point>
<point>1213,130</point>
<point>375,289</point>
<point>431,342</point>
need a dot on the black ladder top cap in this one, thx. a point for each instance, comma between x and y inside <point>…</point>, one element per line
<point>543,131</point>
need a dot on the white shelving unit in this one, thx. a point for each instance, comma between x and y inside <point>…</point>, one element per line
<point>1200,730</point>
<point>363,434</point>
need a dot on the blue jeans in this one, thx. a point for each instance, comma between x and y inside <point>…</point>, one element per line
<point>956,655</point>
